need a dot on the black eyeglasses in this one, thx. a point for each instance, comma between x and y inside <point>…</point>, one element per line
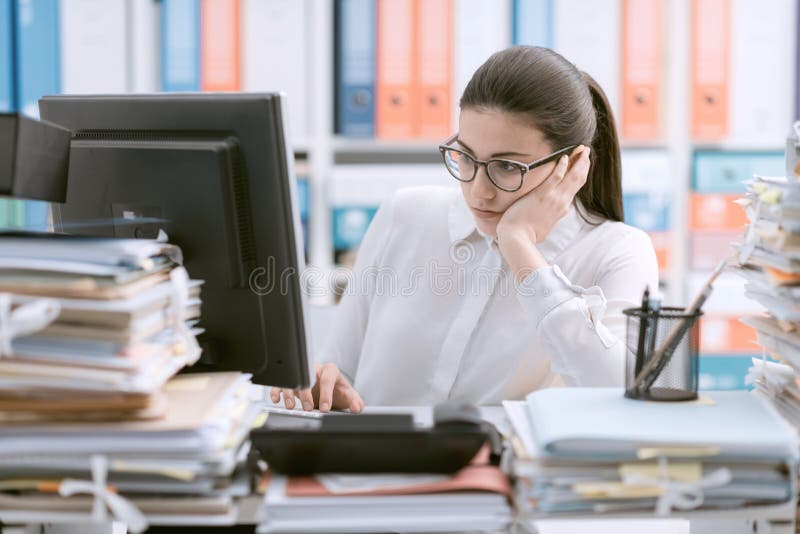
<point>505,174</point>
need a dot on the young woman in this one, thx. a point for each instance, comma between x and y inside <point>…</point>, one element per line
<point>514,283</point>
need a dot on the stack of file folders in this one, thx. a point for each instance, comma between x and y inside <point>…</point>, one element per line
<point>474,499</point>
<point>583,451</point>
<point>93,423</point>
<point>769,260</point>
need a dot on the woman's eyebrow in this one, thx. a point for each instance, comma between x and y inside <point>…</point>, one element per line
<point>497,155</point>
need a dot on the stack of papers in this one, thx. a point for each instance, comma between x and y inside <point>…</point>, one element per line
<point>103,324</point>
<point>592,451</point>
<point>770,262</point>
<point>475,499</point>
<point>92,418</point>
<point>184,468</point>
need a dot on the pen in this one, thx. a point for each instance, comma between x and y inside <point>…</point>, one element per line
<point>656,363</point>
<point>642,332</point>
<point>655,306</point>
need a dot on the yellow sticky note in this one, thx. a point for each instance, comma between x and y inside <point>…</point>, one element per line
<point>648,453</point>
<point>677,471</point>
<point>615,490</point>
<point>189,383</point>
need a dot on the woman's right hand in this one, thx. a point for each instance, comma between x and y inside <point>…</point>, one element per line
<point>331,391</point>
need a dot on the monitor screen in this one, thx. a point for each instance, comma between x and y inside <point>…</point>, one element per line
<point>215,173</point>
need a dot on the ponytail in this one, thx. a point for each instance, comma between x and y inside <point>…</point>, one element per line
<point>602,194</point>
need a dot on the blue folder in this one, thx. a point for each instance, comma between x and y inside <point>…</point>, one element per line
<point>180,45</point>
<point>600,423</point>
<point>37,45</point>
<point>355,68</point>
<point>8,99</point>
<point>533,22</point>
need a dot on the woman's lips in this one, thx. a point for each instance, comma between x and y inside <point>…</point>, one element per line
<point>484,214</point>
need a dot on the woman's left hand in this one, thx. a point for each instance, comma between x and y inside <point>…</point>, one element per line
<point>532,217</point>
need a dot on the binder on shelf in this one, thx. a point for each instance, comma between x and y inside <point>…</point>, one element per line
<point>355,67</point>
<point>395,69</point>
<point>710,60</point>
<point>276,55</point>
<point>94,45</point>
<point>661,244</point>
<point>720,334</point>
<point>579,27</point>
<point>144,46</point>
<point>716,212</point>
<point>707,248</point>
<point>481,28</point>
<point>715,171</point>
<point>36,215</point>
<point>220,67</point>
<point>648,211</point>
<point>761,77</point>
<point>180,45</point>
<point>434,64</point>
<point>8,102</point>
<point>642,69</point>
<point>37,45</point>
<point>724,371</point>
<point>350,225</point>
<point>532,22</point>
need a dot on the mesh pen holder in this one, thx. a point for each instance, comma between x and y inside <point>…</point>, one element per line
<point>671,368</point>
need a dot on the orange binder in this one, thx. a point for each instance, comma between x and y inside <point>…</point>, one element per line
<point>711,22</point>
<point>661,244</point>
<point>220,65</point>
<point>434,63</point>
<point>395,69</point>
<point>725,334</point>
<point>716,212</point>
<point>642,66</point>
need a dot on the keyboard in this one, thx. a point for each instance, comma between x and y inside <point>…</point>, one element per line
<point>297,412</point>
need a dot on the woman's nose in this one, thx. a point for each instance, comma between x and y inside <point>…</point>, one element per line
<point>482,186</point>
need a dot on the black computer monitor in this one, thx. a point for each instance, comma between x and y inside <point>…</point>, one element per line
<point>215,172</point>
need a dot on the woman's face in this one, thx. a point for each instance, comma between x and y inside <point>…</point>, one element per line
<point>490,133</point>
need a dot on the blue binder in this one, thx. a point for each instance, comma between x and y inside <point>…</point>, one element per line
<point>724,372</point>
<point>37,43</point>
<point>725,172</point>
<point>533,22</point>
<point>355,67</point>
<point>648,211</point>
<point>7,78</point>
<point>350,225</point>
<point>180,45</point>
<point>36,215</point>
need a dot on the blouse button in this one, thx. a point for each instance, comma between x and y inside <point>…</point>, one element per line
<point>547,292</point>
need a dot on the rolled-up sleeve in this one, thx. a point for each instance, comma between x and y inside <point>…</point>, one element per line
<point>584,328</point>
<point>346,333</point>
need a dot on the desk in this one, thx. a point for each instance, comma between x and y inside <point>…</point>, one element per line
<point>774,520</point>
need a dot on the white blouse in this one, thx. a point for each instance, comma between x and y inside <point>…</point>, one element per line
<point>431,311</point>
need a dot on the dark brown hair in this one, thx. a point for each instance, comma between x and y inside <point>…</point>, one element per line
<point>565,104</point>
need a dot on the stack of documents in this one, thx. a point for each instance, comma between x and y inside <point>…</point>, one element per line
<point>475,499</point>
<point>769,260</point>
<point>184,468</point>
<point>96,326</point>
<point>592,451</point>
<point>93,422</point>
